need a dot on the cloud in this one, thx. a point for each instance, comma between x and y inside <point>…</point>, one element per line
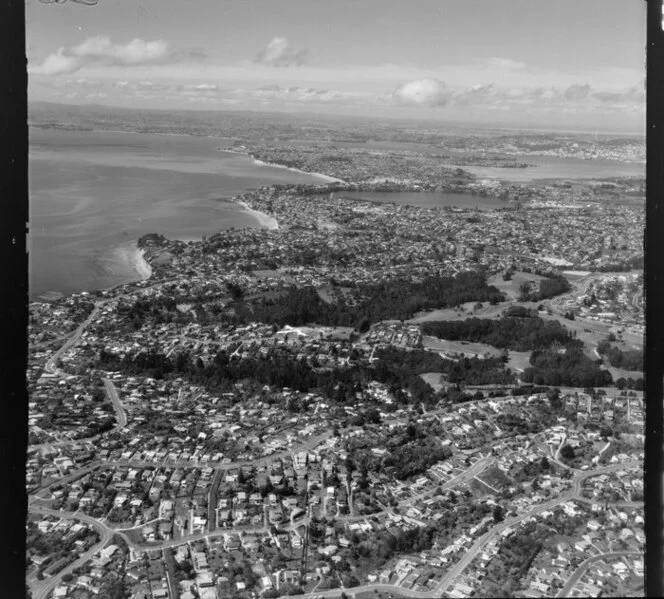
<point>474,94</point>
<point>632,95</point>
<point>310,95</point>
<point>100,50</point>
<point>577,92</point>
<point>506,64</point>
<point>57,63</point>
<point>422,92</point>
<point>279,53</point>
<point>205,87</point>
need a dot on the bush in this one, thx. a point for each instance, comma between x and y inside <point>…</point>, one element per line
<point>517,331</point>
<point>571,368</point>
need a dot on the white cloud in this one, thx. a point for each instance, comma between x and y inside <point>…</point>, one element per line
<point>422,92</point>
<point>474,94</point>
<point>205,87</point>
<point>57,63</point>
<point>136,52</point>
<point>279,53</point>
<point>505,64</point>
<point>310,95</point>
<point>100,50</point>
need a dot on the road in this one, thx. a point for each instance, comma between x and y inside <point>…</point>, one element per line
<point>469,556</point>
<point>464,476</point>
<point>73,339</point>
<point>574,492</point>
<point>212,500</point>
<point>120,412</point>
<point>477,468</point>
<point>50,365</point>
<point>305,446</point>
<point>366,588</point>
<point>42,588</point>
<point>578,573</point>
<point>72,476</point>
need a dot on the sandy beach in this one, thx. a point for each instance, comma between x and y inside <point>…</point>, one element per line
<point>325,178</point>
<point>264,220</point>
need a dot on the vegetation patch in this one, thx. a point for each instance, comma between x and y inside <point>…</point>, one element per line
<point>510,332</point>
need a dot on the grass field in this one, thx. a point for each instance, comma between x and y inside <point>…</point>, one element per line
<point>592,332</point>
<point>468,311</point>
<point>467,348</point>
<point>433,379</point>
<point>511,288</point>
<point>589,331</point>
<point>617,373</point>
<point>518,361</point>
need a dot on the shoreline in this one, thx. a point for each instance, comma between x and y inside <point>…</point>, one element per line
<point>326,178</point>
<point>141,265</point>
<point>264,220</point>
<point>134,259</point>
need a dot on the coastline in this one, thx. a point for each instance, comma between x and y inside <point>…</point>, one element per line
<point>127,261</point>
<point>325,178</point>
<point>264,220</point>
<point>141,265</point>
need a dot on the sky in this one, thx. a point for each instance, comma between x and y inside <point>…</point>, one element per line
<point>576,64</point>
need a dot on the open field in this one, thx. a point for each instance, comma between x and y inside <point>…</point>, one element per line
<point>467,348</point>
<point>325,295</point>
<point>468,311</point>
<point>591,332</point>
<point>617,373</point>
<point>511,287</point>
<point>433,380</point>
<point>519,361</point>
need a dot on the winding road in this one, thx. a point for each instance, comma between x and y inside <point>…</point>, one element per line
<point>578,573</point>
<point>42,588</point>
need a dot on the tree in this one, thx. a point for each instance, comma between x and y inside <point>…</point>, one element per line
<point>498,513</point>
<point>237,293</point>
<point>567,452</point>
<point>605,432</point>
<point>524,292</point>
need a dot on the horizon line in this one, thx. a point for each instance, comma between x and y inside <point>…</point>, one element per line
<point>543,128</point>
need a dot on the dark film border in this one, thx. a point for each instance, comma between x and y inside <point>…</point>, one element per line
<point>654,294</point>
<point>13,313</point>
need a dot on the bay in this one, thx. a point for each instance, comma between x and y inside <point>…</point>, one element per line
<point>93,194</point>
